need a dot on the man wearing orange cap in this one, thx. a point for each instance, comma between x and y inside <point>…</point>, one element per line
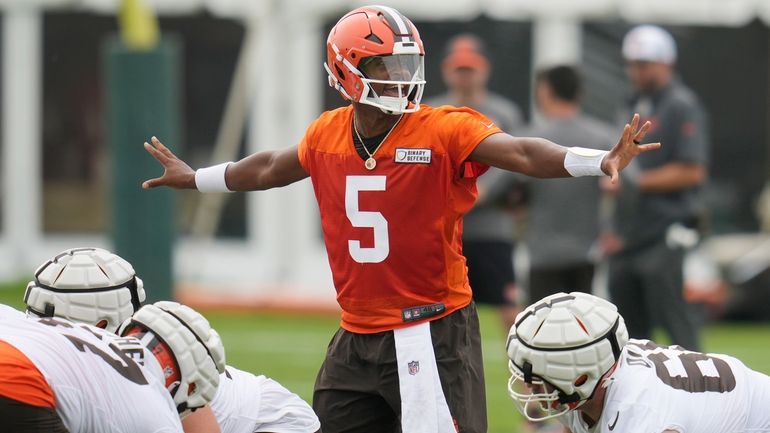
<point>466,71</point>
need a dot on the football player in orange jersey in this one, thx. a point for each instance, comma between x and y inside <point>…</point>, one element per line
<point>393,180</point>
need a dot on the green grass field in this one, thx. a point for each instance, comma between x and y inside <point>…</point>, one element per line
<point>290,348</point>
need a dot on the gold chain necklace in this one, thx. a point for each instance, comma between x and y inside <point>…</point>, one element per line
<point>370,163</point>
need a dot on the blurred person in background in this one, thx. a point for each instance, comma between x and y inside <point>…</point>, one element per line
<point>563,217</point>
<point>466,70</point>
<point>393,180</point>
<point>658,209</point>
<point>99,288</point>
<point>489,230</point>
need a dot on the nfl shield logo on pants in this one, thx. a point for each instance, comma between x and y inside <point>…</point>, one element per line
<point>414,367</point>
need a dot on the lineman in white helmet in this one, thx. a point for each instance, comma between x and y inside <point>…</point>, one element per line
<point>243,403</point>
<point>546,340</point>
<point>86,285</point>
<point>57,375</point>
<point>570,357</point>
<point>190,352</point>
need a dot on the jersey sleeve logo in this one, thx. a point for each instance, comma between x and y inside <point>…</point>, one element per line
<point>412,156</point>
<point>614,423</point>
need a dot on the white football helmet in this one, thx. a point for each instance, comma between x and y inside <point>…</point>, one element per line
<point>559,349</point>
<point>86,285</point>
<point>196,349</point>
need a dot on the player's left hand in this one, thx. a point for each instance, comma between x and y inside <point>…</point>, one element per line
<point>627,148</point>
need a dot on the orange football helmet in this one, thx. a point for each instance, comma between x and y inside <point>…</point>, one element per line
<point>375,56</point>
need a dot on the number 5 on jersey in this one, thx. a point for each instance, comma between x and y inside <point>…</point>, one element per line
<point>373,220</point>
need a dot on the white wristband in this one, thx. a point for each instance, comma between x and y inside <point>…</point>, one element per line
<point>212,179</point>
<point>581,161</point>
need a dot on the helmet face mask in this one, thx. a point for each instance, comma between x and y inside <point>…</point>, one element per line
<point>395,82</point>
<point>559,350</point>
<point>537,400</point>
<point>392,82</point>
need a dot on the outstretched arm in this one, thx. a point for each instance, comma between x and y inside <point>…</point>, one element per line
<point>260,171</point>
<point>538,157</point>
<point>265,170</point>
<point>532,156</point>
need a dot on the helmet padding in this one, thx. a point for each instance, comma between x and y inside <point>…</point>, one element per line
<point>196,347</point>
<point>564,343</point>
<point>86,285</point>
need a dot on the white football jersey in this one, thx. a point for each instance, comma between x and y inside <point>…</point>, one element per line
<point>658,388</point>
<point>10,312</point>
<point>246,403</point>
<point>102,383</point>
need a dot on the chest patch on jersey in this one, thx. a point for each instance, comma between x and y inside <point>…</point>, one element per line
<point>412,156</point>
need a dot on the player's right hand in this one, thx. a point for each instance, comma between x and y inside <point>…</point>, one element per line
<point>176,173</point>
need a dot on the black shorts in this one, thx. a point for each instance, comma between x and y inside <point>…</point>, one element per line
<point>18,417</point>
<point>490,270</point>
<point>357,389</point>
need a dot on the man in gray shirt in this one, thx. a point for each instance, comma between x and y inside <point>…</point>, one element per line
<point>488,229</point>
<point>563,215</point>
<point>658,207</point>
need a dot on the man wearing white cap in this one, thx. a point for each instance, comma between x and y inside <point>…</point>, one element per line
<point>658,206</point>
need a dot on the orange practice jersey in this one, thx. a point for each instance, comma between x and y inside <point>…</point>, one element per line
<point>393,234</point>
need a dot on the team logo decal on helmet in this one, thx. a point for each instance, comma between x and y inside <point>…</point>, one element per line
<point>86,285</point>
<point>375,56</point>
<point>196,350</point>
<point>559,349</point>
